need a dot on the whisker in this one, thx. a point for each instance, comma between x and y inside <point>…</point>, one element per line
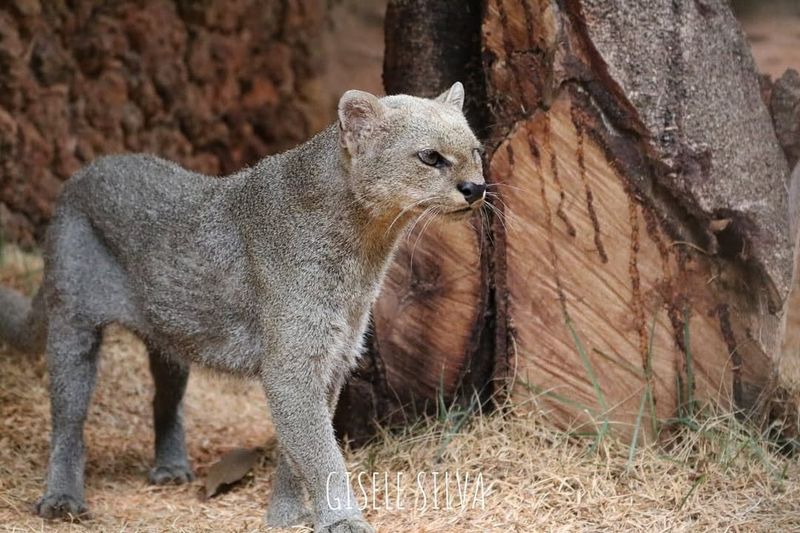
<point>499,215</point>
<point>435,211</point>
<point>510,217</point>
<point>404,210</point>
<point>507,218</point>
<point>418,219</point>
<point>486,229</point>
<point>410,232</point>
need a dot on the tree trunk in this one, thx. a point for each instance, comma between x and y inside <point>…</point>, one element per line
<point>645,253</point>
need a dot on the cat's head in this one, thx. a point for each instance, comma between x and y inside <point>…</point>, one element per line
<point>411,154</point>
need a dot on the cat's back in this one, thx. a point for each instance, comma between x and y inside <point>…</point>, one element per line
<point>140,183</point>
<point>136,197</point>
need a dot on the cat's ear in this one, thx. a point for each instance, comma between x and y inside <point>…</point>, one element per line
<point>453,96</point>
<point>359,114</point>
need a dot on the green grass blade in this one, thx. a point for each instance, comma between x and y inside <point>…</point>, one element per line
<point>587,365</point>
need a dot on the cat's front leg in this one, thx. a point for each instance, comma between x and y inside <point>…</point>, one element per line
<point>297,389</point>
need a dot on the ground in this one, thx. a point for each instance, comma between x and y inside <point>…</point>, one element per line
<point>716,477</point>
<point>504,472</point>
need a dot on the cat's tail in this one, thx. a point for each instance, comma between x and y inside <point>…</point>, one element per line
<point>23,323</point>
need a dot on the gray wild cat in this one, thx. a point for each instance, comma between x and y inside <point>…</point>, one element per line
<point>269,273</point>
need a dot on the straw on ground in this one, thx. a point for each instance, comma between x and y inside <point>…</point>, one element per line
<point>716,476</point>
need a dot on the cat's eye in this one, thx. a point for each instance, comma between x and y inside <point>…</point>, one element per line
<point>432,158</point>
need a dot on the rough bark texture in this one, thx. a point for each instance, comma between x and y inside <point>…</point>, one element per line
<point>646,252</point>
<point>784,104</point>
<point>213,84</point>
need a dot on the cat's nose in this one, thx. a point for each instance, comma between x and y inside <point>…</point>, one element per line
<point>472,191</point>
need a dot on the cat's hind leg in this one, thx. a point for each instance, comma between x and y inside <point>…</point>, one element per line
<point>72,365</point>
<point>171,461</point>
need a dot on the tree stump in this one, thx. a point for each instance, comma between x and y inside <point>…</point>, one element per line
<point>645,252</point>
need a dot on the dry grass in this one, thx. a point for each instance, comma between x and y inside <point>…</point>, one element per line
<point>715,478</point>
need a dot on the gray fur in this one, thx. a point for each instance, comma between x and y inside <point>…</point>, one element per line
<point>23,324</point>
<point>269,273</point>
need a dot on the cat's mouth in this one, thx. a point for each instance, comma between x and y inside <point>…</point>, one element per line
<point>458,213</point>
<point>461,213</point>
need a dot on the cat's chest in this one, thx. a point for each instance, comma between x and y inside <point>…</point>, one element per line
<point>357,296</point>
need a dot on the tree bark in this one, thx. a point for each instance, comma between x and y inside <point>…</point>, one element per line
<point>784,105</point>
<point>646,251</point>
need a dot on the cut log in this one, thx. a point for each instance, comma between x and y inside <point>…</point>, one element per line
<point>647,177</point>
<point>646,250</point>
<point>613,308</point>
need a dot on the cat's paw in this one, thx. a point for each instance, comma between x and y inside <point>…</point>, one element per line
<point>64,506</point>
<point>170,475</point>
<point>348,525</point>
